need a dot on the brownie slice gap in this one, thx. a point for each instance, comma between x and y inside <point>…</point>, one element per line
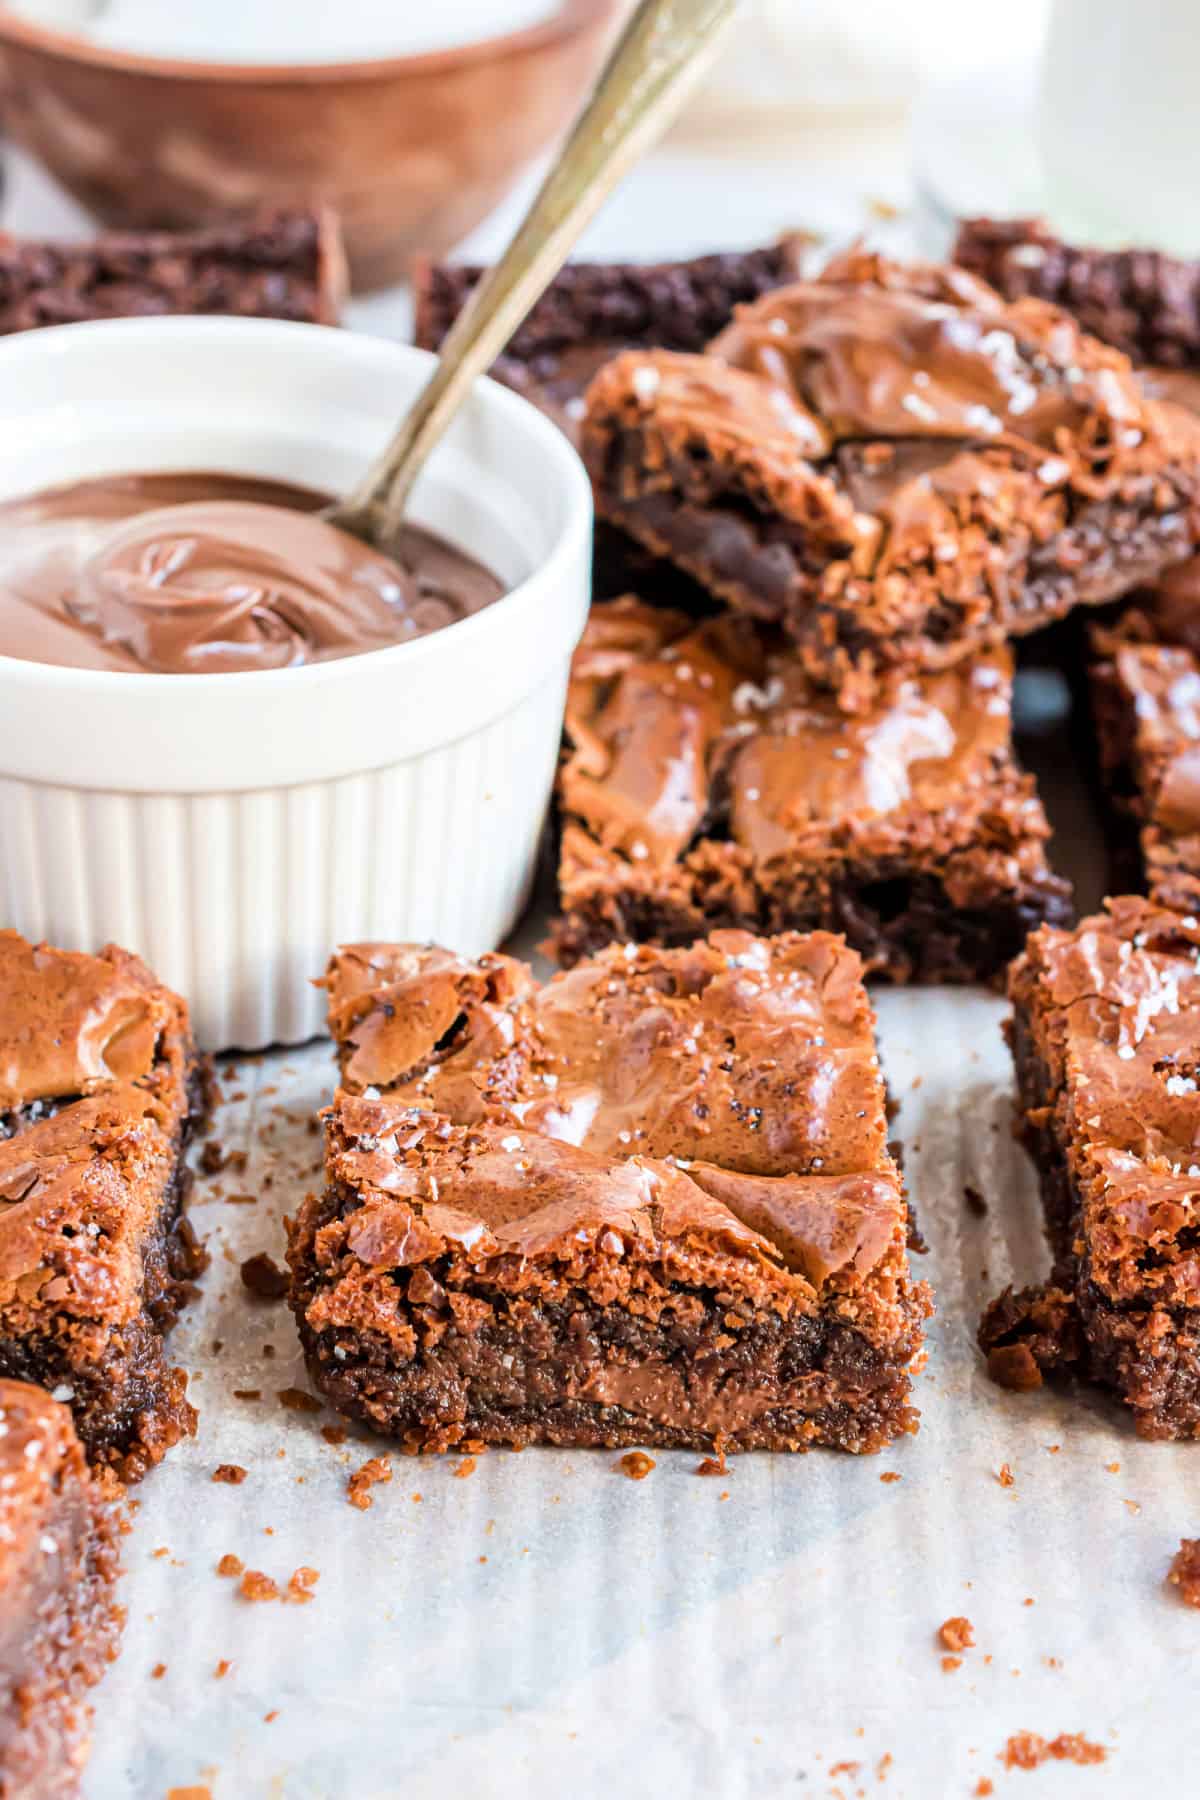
<point>648,1202</point>
<point>272,264</point>
<point>100,1089</point>
<point>1106,1022</point>
<point>707,782</point>
<point>58,1626</point>
<point>897,466</point>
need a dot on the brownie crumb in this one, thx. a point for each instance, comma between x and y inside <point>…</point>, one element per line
<point>1026,1750</point>
<point>262,1277</point>
<point>891,1475</point>
<point>465,1468</point>
<point>230,1565</point>
<point>334,1434</point>
<point>950,1663</point>
<point>1184,1573</point>
<point>222,1669</point>
<point>1015,1367</point>
<point>300,1586</point>
<point>158,1671</point>
<point>377,1469</point>
<point>712,1465</point>
<point>256,1586</point>
<point>189,1793</point>
<point>975,1201</point>
<point>212,1158</point>
<point>984,1787</point>
<point>233,1473</point>
<point>247,1393</point>
<point>636,1464</point>
<point>1005,1476</point>
<point>957,1634</point>
<point>299,1400</point>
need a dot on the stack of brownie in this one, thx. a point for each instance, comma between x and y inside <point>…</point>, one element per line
<point>836,516</point>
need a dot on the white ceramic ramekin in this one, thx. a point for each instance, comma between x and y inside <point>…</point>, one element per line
<point>233,828</point>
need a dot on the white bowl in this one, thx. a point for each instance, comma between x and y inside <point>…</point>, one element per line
<point>234,828</point>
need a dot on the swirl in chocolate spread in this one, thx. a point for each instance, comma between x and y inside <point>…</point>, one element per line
<point>199,573</point>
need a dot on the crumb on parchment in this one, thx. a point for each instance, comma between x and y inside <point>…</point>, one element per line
<point>358,1489</point>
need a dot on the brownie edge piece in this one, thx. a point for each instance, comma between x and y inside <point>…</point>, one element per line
<point>708,782</point>
<point>1105,1029</point>
<point>590,311</point>
<point>896,465</point>
<point>648,1202</point>
<point>100,1090</point>
<point>270,265</point>
<point>1144,302</point>
<point>58,1625</point>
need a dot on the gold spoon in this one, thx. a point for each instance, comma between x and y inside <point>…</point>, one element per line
<point>658,55</point>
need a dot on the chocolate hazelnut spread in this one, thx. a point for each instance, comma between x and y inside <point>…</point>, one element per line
<point>203,573</point>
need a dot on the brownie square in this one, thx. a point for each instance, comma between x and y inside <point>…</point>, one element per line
<point>1105,1035</point>
<point>707,782</point>
<point>1145,692</point>
<point>896,465</point>
<point>591,311</point>
<point>271,265</point>
<point>100,1088</point>
<point>648,1202</point>
<point>58,1625</point>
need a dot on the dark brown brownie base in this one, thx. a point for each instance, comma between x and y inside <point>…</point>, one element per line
<point>1144,302</point>
<point>1149,1356</point>
<point>509,1382</point>
<point>45,1718</point>
<point>762,565</point>
<point>279,265</point>
<point>904,926</point>
<point>129,1405</point>
<point>680,305</point>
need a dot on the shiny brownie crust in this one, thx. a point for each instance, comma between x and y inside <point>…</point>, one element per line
<point>1107,1107</point>
<point>707,783</point>
<point>599,1213</point>
<point>896,465</point>
<point>102,1092</point>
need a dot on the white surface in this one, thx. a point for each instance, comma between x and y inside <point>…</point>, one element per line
<point>284,31</point>
<point>230,828</point>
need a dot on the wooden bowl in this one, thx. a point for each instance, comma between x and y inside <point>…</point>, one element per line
<point>412,151</point>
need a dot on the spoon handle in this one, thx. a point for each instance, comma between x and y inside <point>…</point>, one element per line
<point>654,61</point>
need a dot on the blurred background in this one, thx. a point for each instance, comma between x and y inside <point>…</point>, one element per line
<point>840,119</point>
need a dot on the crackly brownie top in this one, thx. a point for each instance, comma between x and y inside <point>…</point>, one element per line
<point>70,1023</point>
<point>676,728</point>
<point>730,1091</point>
<point>94,1061</point>
<point>1113,1008</point>
<point>868,404</point>
<point>36,1438</point>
